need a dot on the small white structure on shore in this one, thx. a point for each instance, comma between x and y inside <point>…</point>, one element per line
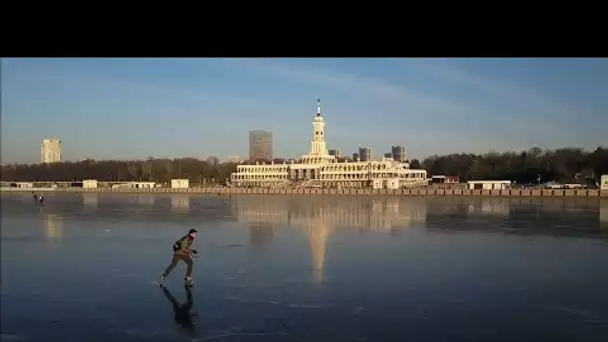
<point>565,186</point>
<point>26,185</point>
<point>442,179</point>
<point>89,183</point>
<point>180,184</point>
<point>20,185</point>
<point>489,184</point>
<point>137,185</point>
<point>604,182</point>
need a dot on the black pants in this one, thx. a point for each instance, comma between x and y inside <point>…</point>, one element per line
<point>187,258</point>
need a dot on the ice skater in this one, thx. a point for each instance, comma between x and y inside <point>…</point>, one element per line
<point>182,250</point>
<point>41,199</point>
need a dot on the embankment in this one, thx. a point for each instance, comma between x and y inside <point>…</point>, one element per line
<point>340,192</point>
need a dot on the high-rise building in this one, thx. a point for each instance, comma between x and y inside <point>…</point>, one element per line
<point>335,152</point>
<point>388,155</point>
<point>399,153</point>
<point>50,151</point>
<point>365,153</point>
<point>260,145</point>
<point>233,159</point>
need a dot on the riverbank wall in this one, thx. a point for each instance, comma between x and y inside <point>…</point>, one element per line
<point>333,192</point>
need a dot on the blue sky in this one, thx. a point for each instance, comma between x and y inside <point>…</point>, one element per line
<point>134,108</point>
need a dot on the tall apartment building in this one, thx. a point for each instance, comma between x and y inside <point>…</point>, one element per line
<point>50,151</point>
<point>233,159</point>
<point>399,153</point>
<point>365,153</point>
<point>260,145</point>
<point>334,152</point>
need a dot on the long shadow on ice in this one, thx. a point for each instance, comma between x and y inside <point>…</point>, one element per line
<point>184,314</point>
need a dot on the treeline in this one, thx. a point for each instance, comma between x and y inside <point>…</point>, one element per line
<point>158,170</point>
<point>532,166</point>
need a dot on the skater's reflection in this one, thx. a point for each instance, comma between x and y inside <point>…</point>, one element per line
<point>183,312</point>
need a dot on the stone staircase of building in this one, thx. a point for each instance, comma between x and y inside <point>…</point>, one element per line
<point>303,184</point>
<point>311,183</point>
<point>284,185</point>
<point>296,184</point>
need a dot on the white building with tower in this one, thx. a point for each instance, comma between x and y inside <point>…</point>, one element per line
<point>320,169</point>
<point>50,151</point>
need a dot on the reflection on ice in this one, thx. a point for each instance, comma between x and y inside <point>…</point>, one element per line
<point>490,206</point>
<point>184,313</point>
<point>372,213</point>
<point>318,218</point>
<point>90,201</point>
<point>306,270</point>
<point>318,233</point>
<point>366,213</point>
<point>53,227</point>
<point>261,235</point>
<point>180,204</point>
<point>145,199</point>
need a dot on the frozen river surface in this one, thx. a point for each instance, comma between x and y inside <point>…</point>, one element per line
<point>85,267</point>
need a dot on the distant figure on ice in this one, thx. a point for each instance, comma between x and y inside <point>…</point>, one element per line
<point>35,197</point>
<point>183,312</point>
<point>182,250</point>
<point>41,199</point>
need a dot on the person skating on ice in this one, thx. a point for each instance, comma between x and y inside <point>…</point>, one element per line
<point>182,250</point>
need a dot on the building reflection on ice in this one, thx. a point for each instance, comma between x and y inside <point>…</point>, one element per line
<point>180,203</point>
<point>90,201</point>
<point>490,206</point>
<point>373,214</point>
<point>320,217</point>
<point>53,227</point>
<point>604,211</point>
<point>318,234</point>
<point>561,205</point>
<point>470,208</point>
<point>145,199</point>
<point>260,235</point>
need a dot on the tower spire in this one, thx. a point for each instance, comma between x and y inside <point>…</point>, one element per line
<point>318,106</point>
